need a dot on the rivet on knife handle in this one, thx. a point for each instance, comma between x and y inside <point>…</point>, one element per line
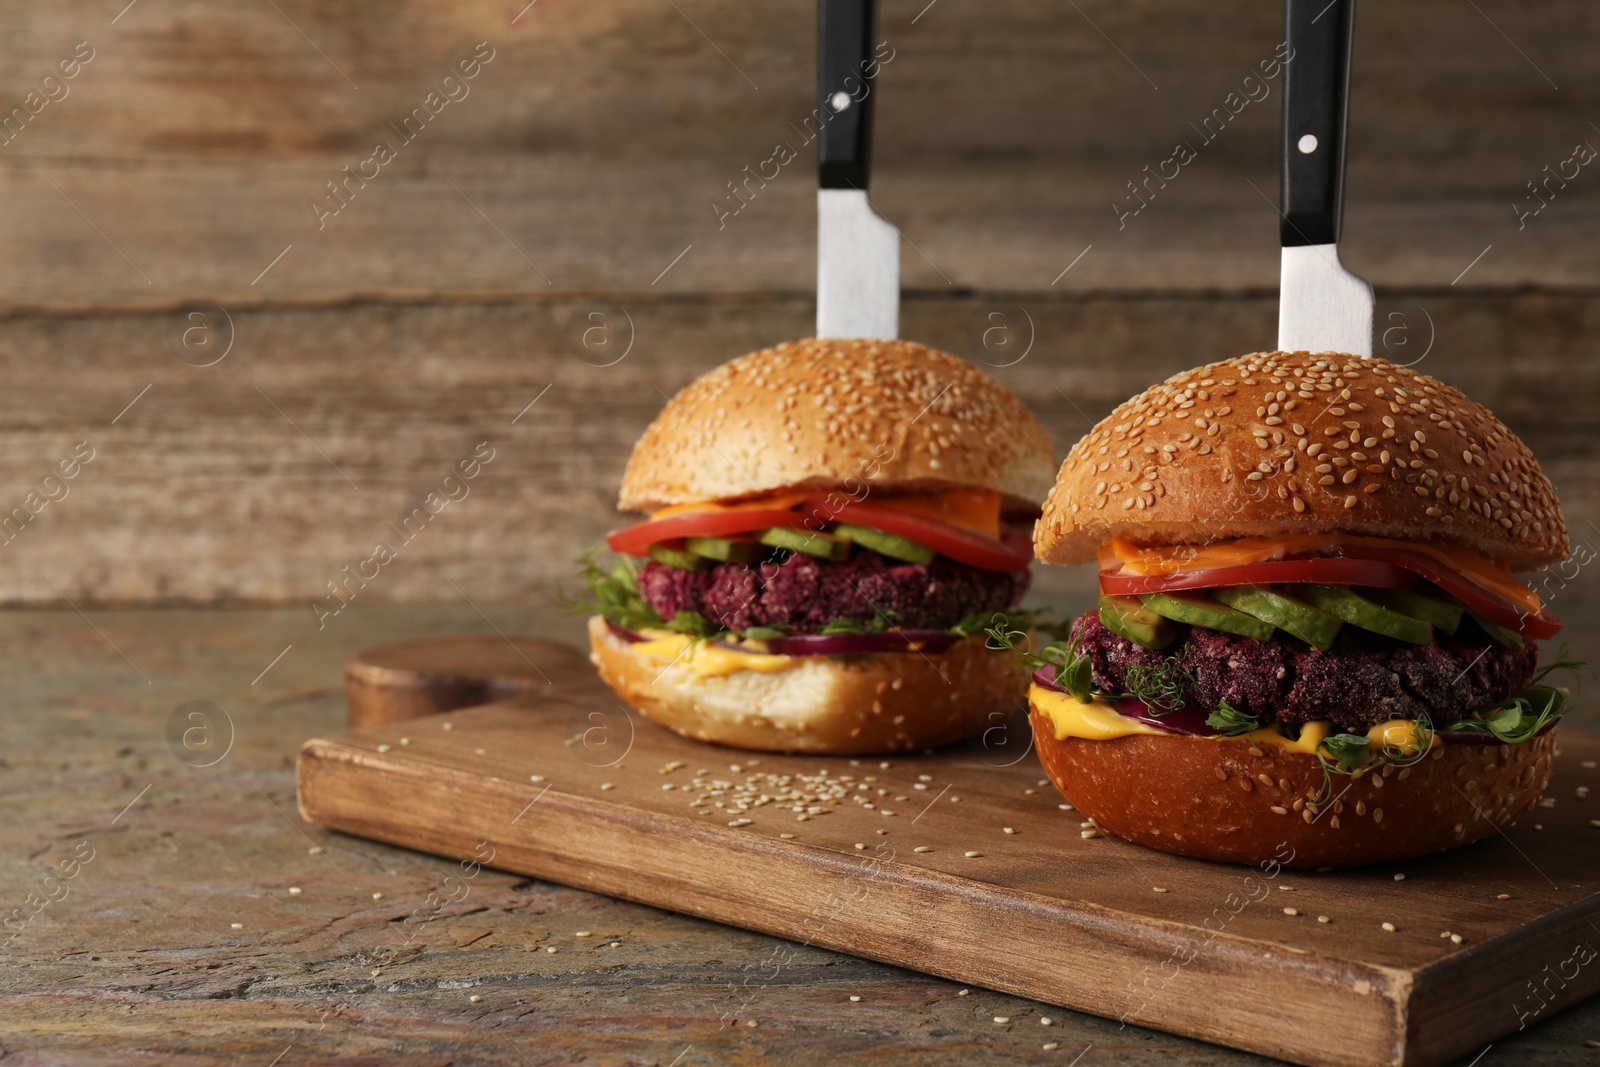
<point>1315,97</point>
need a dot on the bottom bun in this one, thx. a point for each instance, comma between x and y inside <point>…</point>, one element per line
<point>1223,799</point>
<point>891,702</point>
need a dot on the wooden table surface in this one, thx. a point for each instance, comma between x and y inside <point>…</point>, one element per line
<point>181,941</point>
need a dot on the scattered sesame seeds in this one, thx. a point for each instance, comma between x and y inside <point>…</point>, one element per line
<point>1389,927</point>
<point>1290,911</point>
<point>535,777</point>
<point>1051,1046</point>
<point>294,891</point>
<point>1455,939</point>
<point>551,949</point>
<point>972,855</point>
<point>1502,896</point>
<point>1158,889</point>
<point>1323,919</point>
<point>236,926</point>
<point>377,896</point>
<point>583,933</point>
<point>1002,1018</point>
<point>857,1000</point>
<point>475,998</point>
<point>1008,830</point>
<point>922,848</point>
<point>963,992</point>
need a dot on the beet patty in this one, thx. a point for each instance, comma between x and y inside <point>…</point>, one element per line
<point>1362,680</point>
<point>804,594</point>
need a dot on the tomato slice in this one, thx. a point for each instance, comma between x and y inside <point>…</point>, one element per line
<point>1324,570</point>
<point>636,540</point>
<point>1541,626</point>
<point>1011,551</point>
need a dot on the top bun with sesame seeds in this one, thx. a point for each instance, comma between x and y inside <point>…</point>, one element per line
<point>1318,442</point>
<point>818,413</point>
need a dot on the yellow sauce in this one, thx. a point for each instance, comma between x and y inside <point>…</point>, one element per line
<point>706,660</point>
<point>1100,721</point>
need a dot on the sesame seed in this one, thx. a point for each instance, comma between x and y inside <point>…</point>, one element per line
<point>855,1000</point>
<point>1045,1020</point>
<point>1323,919</point>
<point>607,785</point>
<point>787,837</point>
<point>922,848</point>
<point>583,933</point>
<point>1389,927</point>
<point>535,777</point>
<point>1290,911</point>
<point>294,891</point>
<point>1158,889</point>
<point>1399,877</point>
<point>405,740</point>
<point>1455,939</point>
<point>1008,830</point>
<point>551,950</point>
<point>972,855</point>
<point>383,748</point>
<point>1503,896</point>
<point>236,926</point>
<point>1002,1018</point>
<point>1051,1046</point>
<point>377,896</point>
<point>963,993</point>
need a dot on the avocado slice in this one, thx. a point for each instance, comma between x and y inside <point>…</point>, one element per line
<point>885,544</point>
<point>1357,610</point>
<point>1497,633</point>
<point>1443,615</point>
<point>664,552</point>
<point>1126,617</point>
<point>1197,609</point>
<point>821,545</point>
<point>726,549</point>
<point>1285,612</point>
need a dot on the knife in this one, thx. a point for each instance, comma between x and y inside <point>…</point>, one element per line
<point>1322,307</point>
<point>858,252</point>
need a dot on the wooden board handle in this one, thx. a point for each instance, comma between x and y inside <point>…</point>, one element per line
<point>392,683</point>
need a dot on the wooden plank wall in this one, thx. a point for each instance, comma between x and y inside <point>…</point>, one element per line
<point>579,182</point>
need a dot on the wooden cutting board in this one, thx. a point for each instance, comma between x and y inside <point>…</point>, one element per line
<point>964,864</point>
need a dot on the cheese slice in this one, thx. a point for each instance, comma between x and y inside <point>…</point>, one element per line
<point>1100,721</point>
<point>784,501</point>
<point>706,660</point>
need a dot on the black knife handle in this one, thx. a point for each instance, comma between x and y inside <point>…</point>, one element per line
<point>1316,96</point>
<point>845,36</point>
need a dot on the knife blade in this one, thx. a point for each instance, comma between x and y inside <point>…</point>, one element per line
<point>1322,306</point>
<point>858,251</point>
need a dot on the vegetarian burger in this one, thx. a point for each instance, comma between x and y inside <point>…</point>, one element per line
<point>1308,630</point>
<point>832,526</point>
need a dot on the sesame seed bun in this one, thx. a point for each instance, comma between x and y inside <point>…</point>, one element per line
<point>817,414</point>
<point>1220,801</point>
<point>866,705</point>
<point>1278,442</point>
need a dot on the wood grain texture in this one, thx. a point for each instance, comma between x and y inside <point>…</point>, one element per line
<point>141,957</point>
<point>976,904</point>
<point>263,477</point>
<point>598,140</point>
